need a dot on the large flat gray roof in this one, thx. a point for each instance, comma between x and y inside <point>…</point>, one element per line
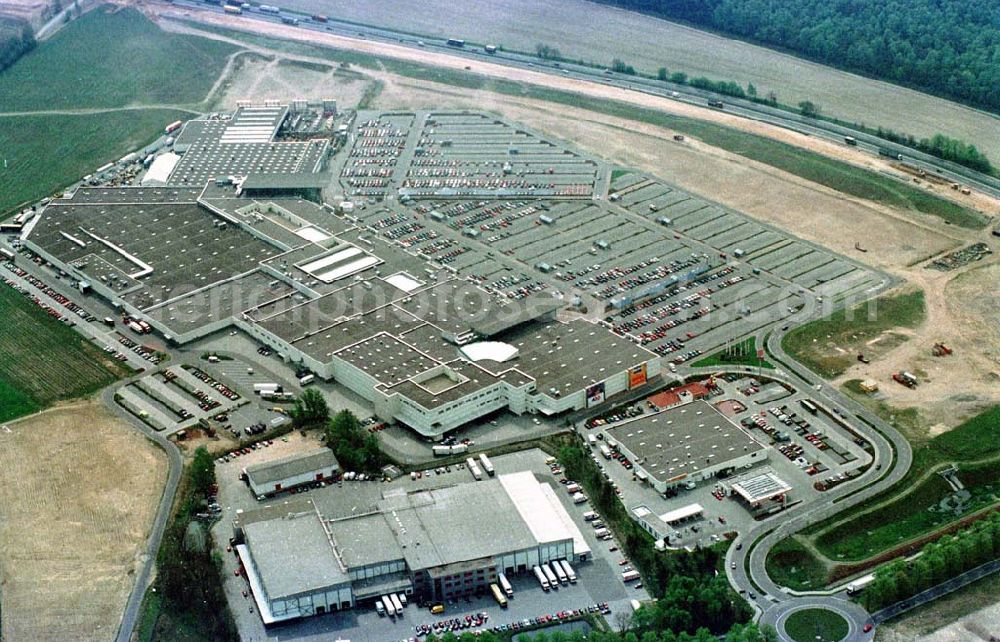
<point>569,356</point>
<point>306,462</point>
<point>365,540</point>
<point>457,523</point>
<point>293,555</point>
<point>683,440</point>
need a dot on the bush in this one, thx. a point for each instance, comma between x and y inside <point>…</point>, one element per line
<point>310,409</point>
<point>355,449</point>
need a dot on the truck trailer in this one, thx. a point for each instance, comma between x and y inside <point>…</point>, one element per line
<point>560,573</point>
<point>505,585</point>
<point>550,576</point>
<point>540,576</point>
<point>570,573</point>
<point>487,464</point>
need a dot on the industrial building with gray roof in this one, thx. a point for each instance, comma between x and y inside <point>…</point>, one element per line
<point>690,442</point>
<point>301,562</point>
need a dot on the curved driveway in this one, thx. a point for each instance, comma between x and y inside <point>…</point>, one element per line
<point>773,603</point>
<point>145,574</point>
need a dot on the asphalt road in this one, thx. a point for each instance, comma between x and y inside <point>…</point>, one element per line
<point>892,452</point>
<point>143,577</point>
<point>683,93</point>
<point>935,592</point>
<point>772,602</point>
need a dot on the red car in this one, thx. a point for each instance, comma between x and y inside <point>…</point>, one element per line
<point>868,627</point>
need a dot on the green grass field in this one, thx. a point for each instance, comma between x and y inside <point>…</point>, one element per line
<point>791,564</point>
<point>113,60</point>
<point>910,509</point>
<point>743,353</point>
<point>816,625</point>
<point>43,361</point>
<point>835,174</point>
<point>815,344</point>
<point>46,153</point>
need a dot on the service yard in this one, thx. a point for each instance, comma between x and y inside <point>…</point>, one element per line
<point>78,490</point>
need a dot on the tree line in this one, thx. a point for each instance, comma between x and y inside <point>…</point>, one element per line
<point>941,146</point>
<point>188,573</point>
<point>944,147</point>
<point>691,593</point>
<point>16,39</point>
<point>948,47</point>
<point>939,561</point>
<point>356,449</point>
<point>739,633</point>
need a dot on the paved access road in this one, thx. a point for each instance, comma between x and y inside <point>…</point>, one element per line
<point>893,456</point>
<point>176,464</point>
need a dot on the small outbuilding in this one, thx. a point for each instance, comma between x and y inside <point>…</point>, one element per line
<point>271,477</point>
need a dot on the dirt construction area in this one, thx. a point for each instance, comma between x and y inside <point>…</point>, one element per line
<point>78,491</point>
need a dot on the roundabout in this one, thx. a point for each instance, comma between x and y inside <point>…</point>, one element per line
<point>821,625</point>
<point>821,619</point>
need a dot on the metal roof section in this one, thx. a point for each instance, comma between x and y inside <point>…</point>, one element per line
<point>293,555</point>
<point>680,514</point>
<point>761,487</point>
<point>540,510</point>
<point>298,464</point>
<point>493,350</point>
<point>159,172</point>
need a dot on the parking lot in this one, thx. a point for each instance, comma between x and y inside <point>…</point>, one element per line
<point>179,397</point>
<point>599,580</point>
<point>675,272</point>
<point>813,455</point>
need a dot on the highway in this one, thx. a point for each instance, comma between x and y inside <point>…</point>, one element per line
<point>682,93</point>
<point>773,603</point>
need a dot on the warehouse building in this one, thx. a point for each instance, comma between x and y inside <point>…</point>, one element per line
<point>271,477</point>
<point>301,562</point>
<point>685,445</point>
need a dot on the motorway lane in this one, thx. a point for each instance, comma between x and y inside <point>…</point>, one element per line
<point>684,93</point>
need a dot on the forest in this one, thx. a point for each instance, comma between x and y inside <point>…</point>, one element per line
<point>16,39</point>
<point>947,47</point>
<point>939,561</point>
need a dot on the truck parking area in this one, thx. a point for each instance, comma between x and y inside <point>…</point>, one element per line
<point>599,579</point>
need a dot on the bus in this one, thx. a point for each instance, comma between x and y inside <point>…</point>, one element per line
<point>389,608</point>
<point>544,581</point>
<point>456,42</point>
<point>396,604</point>
<point>629,576</point>
<point>808,405</point>
<point>505,585</point>
<point>498,596</point>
